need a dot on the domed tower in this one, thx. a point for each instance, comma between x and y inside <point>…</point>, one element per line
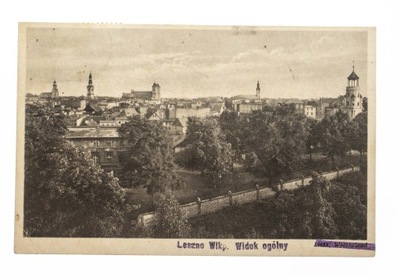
<point>258,90</point>
<point>90,88</point>
<point>54,91</point>
<point>353,104</point>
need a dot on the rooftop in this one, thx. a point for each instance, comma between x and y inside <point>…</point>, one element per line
<point>76,133</point>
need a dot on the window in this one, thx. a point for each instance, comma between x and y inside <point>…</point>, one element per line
<point>109,142</point>
<point>95,157</point>
<point>96,142</point>
<point>109,157</point>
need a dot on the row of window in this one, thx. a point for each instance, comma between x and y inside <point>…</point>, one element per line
<point>109,157</point>
<point>107,142</point>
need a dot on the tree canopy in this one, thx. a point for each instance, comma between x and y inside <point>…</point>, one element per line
<point>65,194</point>
<point>208,150</point>
<point>278,138</point>
<point>169,222</point>
<point>148,161</point>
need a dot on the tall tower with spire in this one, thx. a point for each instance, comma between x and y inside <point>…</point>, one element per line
<point>258,90</point>
<point>90,87</point>
<point>353,97</point>
<point>54,91</point>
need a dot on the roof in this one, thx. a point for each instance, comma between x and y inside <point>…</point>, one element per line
<point>77,133</point>
<point>93,107</point>
<point>238,97</point>
<point>177,123</point>
<point>46,94</point>
<point>147,95</point>
<point>353,76</point>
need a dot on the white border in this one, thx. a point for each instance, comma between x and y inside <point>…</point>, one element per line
<point>276,13</point>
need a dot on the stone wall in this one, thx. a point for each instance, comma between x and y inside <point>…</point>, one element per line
<point>238,198</point>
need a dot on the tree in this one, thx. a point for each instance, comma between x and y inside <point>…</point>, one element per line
<point>65,194</point>
<point>314,136</point>
<point>169,222</point>
<point>358,133</point>
<point>365,104</point>
<point>148,162</point>
<point>334,139</point>
<point>208,151</point>
<point>231,126</point>
<point>323,213</point>
<point>278,137</point>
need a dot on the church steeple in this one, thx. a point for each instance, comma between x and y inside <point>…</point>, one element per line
<point>90,87</point>
<point>258,90</point>
<point>54,91</point>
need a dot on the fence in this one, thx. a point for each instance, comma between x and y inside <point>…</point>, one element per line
<point>215,204</point>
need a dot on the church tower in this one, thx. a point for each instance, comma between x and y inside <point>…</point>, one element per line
<point>54,91</point>
<point>258,90</point>
<point>155,92</point>
<point>353,103</point>
<point>90,88</point>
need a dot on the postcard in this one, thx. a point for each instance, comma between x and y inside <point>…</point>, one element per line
<point>195,140</point>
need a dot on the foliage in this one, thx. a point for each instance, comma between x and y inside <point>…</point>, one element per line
<point>335,136</point>
<point>323,209</point>
<point>231,126</point>
<point>169,221</point>
<point>65,194</point>
<point>278,138</point>
<point>365,104</point>
<point>208,150</point>
<point>358,133</point>
<point>148,161</point>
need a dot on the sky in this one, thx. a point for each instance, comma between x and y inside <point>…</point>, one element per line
<point>194,61</point>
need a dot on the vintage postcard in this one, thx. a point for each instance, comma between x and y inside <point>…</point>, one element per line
<point>195,140</point>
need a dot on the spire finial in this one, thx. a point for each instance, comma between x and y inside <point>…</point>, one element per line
<point>353,66</point>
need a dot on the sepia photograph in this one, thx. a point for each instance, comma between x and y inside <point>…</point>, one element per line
<point>195,140</point>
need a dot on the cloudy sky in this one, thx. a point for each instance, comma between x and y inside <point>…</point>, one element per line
<point>194,62</point>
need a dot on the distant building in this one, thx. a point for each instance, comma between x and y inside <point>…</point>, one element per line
<point>53,94</point>
<point>353,98</point>
<point>104,144</point>
<point>249,97</point>
<point>310,111</point>
<point>93,108</point>
<point>90,88</point>
<point>246,107</point>
<point>350,103</point>
<point>153,95</point>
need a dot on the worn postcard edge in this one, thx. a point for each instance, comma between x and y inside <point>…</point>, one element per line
<point>140,246</point>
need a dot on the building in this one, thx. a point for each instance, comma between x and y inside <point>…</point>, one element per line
<point>310,111</point>
<point>90,88</point>
<point>104,144</point>
<point>353,97</point>
<point>246,107</point>
<point>249,97</point>
<point>53,94</point>
<point>153,95</point>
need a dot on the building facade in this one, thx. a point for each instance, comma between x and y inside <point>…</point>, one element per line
<point>105,145</point>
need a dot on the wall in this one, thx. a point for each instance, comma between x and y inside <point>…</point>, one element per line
<point>215,204</point>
